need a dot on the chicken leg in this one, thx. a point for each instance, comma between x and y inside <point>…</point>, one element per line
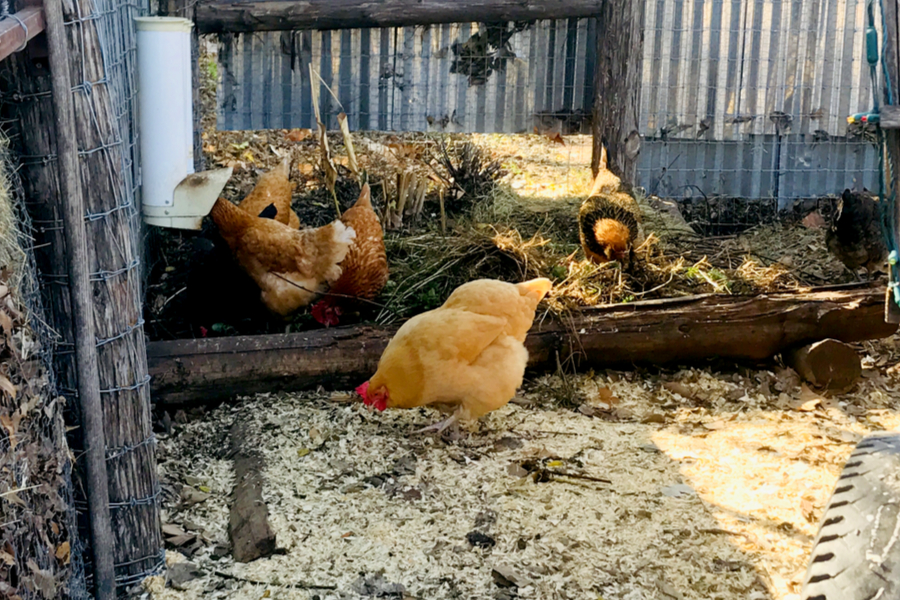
<point>440,426</point>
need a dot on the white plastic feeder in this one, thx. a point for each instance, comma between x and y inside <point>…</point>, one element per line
<point>172,194</point>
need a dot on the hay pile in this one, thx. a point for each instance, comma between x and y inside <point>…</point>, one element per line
<point>39,556</point>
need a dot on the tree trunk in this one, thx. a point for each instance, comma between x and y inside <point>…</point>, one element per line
<point>679,330</point>
<point>234,16</point>
<point>617,88</point>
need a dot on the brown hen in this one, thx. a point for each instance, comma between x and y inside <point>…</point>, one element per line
<point>365,270</point>
<point>609,221</point>
<point>273,188</point>
<point>290,266</point>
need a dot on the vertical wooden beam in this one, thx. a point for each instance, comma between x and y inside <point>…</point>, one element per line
<point>891,45</point>
<point>82,304</point>
<point>617,87</point>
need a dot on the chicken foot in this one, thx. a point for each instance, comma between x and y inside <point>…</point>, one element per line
<point>440,426</point>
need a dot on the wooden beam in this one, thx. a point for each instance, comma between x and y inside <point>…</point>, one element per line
<point>617,88</point>
<point>13,36</point>
<point>682,330</point>
<point>248,521</point>
<point>891,46</point>
<point>82,311</point>
<point>235,16</point>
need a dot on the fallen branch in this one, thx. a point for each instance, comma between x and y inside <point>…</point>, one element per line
<point>670,331</point>
<point>298,585</point>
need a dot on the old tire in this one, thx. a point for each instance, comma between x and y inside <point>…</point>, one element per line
<point>856,555</point>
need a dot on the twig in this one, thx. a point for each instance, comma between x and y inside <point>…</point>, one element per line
<point>577,476</point>
<point>17,490</point>
<point>300,585</point>
<point>349,297</point>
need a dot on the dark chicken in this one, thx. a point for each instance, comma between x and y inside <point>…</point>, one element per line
<point>609,222</point>
<point>855,236</point>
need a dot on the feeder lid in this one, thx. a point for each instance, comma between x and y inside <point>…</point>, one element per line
<point>163,24</point>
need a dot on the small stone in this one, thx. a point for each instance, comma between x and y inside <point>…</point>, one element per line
<point>480,540</point>
<point>180,574</point>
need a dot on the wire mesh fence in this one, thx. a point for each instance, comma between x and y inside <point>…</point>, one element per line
<point>742,100</point>
<point>41,551</point>
<point>102,58</point>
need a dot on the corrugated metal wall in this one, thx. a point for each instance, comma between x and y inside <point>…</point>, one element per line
<point>749,98</point>
<point>744,98</point>
<point>437,78</point>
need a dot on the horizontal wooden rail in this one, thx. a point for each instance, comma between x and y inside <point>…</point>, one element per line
<point>235,16</point>
<point>678,330</point>
<point>12,33</point>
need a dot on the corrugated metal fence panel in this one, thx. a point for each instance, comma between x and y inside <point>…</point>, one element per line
<point>403,79</point>
<point>723,78</point>
<point>743,98</point>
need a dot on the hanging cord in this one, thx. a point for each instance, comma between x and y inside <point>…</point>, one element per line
<point>4,14</point>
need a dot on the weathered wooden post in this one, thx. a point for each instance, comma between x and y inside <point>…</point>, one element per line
<point>82,317</point>
<point>617,87</point>
<point>99,93</point>
<point>890,123</point>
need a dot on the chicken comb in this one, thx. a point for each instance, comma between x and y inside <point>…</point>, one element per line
<point>363,390</point>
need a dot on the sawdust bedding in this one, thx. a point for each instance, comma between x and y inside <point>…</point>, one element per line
<point>694,484</point>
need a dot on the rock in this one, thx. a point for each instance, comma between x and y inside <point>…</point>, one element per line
<point>505,576</point>
<point>180,574</point>
<point>480,540</point>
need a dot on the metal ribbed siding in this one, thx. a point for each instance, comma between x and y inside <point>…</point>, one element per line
<point>399,79</point>
<point>703,59</point>
<point>727,59</point>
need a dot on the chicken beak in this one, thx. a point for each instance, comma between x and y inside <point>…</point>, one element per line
<point>535,288</point>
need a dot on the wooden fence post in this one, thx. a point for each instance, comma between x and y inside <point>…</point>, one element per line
<point>617,88</point>
<point>891,45</point>
<point>82,305</point>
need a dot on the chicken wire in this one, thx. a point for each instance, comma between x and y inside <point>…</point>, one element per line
<point>744,102</point>
<point>105,95</point>
<point>41,550</point>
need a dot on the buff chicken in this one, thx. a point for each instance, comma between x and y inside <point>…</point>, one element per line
<point>466,357</point>
<point>271,197</point>
<point>291,267</point>
<point>364,271</point>
<point>609,222</point>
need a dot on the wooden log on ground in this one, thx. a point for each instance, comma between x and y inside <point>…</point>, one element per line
<point>234,16</point>
<point>826,364</point>
<point>248,523</point>
<point>682,330</point>
<point>617,88</point>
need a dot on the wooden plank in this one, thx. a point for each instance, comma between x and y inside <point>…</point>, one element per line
<point>13,36</point>
<point>82,312</point>
<point>890,117</point>
<point>617,93</point>
<point>233,16</point>
<point>248,522</point>
<point>680,331</point>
